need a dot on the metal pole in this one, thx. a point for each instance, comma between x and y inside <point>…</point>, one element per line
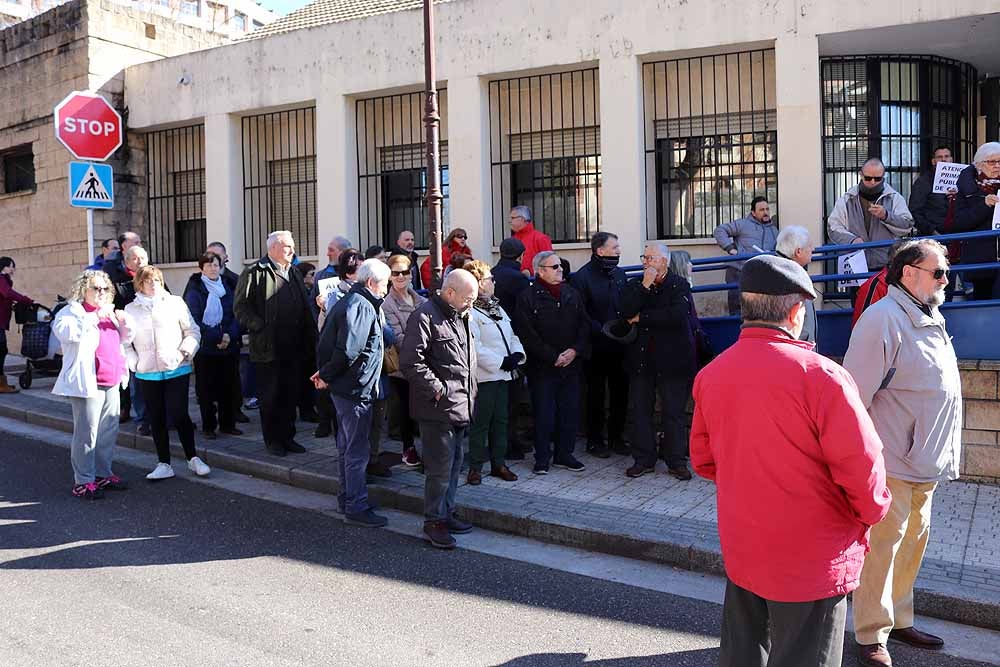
<point>90,236</point>
<point>432,122</point>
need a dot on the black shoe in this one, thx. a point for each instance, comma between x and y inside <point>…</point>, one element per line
<point>209,435</point>
<point>324,430</point>
<point>569,463</point>
<point>540,469</point>
<point>377,469</point>
<point>458,527</point>
<point>144,429</point>
<point>275,448</point>
<point>293,447</point>
<point>599,450</point>
<point>680,472</point>
<point>436,532</point>
<point>366,519</point>
<point>123,418</point>
<point>310,417</point>
<point>231,431</point>
<point>619,447</point>
<point>241,418</point>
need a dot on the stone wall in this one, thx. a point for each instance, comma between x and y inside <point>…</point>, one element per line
<point>981,452</point>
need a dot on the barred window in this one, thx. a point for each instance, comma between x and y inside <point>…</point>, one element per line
<point>17,169</point>
<point>175,186</point>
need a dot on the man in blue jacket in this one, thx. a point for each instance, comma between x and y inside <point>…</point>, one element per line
<point>349,356</point>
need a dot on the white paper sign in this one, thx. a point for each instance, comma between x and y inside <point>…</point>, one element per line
<point>856,262</point>
<point>946,177</point>
<point>996,217</point>
<point>327,286</point>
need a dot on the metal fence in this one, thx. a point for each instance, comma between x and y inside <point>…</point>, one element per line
<point>545,152</point>
<point>279,178</point>
<point>175,178</point>
<point>710,140</point>
<point>392,169</point>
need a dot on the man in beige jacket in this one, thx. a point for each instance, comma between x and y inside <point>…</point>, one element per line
<point>902,359</point>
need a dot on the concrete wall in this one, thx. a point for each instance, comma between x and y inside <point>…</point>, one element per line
<point>981,435</point>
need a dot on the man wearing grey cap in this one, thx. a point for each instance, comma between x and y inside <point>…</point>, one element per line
<point>785,436</point>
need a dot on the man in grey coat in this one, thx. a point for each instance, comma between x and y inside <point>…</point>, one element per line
<point>902,360</point>
<point>794,244</point>
<point>870,211</point>
<point>754,233</point>
<point>439,361</point>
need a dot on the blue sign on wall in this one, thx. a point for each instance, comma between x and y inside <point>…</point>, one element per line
<point>91,185</point>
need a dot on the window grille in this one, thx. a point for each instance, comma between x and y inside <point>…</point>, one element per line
<point>392,173</point>
<point>279,179</point>
<point>710,140</point>
<point>545,153</point>
<point>175,179</point>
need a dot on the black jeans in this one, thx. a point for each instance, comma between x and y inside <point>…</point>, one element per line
<point>674,393</point>
<point>402,389</point>
<point>168,399</point>
<point>555,400</point>
<point>801,633</point>
<point>606,379</point>
<point>278,385</point>
<point>213,384</point>
<point>3,349</point>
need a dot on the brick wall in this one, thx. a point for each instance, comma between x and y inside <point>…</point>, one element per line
<point>981,451</point>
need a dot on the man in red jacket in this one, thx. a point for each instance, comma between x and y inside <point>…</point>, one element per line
<point>523,229</point>
<point>799,478</point>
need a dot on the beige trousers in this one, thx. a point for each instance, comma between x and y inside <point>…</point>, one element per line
<point>884,600</point>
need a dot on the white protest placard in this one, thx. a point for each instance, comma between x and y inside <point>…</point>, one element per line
<point>946,177</point>
<point>327,286</point>
<point>856,262</point>
<point>996,217</point>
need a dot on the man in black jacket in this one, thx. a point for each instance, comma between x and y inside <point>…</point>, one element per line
<point>350,361</point>
<point>554,328</point>
<point>405,243</point>
<point>930,210</point>
<point>662,358</point>
<point>509,282</point>
<point>600,282</point>
<point>271,304</point>
<point>439,361</point>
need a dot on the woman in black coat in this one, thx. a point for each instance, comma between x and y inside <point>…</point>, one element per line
<point>976,200</point>
<point>210,300</point>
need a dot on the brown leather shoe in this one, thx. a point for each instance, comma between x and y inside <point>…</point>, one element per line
<point>916,638</point>
<point>873,655</point>
<point>638,470</point>
<point>475,478</point>
<point>504,473</point>
<point>680,472</point>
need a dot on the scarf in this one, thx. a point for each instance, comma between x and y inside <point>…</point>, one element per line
<point>490,307</point>
<point>986,185</point>
<point>146,301</point>
<point>213,308</point>
<point>555,289</point>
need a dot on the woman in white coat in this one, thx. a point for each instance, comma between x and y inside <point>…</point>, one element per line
<point>499,353</point>
<point>166,340</point>
<point>93,335</point>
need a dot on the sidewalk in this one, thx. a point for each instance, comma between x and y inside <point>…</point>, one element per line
<point>655,517</point>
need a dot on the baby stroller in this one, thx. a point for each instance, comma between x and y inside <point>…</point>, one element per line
<point>39,347</point>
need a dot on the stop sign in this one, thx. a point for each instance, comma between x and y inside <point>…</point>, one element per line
<point>88,126</point>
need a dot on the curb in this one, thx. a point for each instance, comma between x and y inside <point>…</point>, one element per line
<point>697,556</point>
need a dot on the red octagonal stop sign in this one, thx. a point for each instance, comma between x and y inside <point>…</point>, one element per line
<point>88,126</point>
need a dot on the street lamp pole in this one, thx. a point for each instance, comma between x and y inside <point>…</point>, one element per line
<point>432,123</point>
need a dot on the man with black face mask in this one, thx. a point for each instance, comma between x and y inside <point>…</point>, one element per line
<point>599,282</point>
<point>870,211</point>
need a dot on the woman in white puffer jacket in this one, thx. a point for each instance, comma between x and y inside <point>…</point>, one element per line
<point>165,342</point>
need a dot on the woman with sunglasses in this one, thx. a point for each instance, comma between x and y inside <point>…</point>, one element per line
<point>978,186</point>
<point>399,304</point>
<point>93,336</point>
<point>457,242</point>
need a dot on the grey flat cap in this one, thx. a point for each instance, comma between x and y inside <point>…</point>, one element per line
<point>770,274</point>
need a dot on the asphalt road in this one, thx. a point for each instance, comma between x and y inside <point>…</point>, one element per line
<point>181,573</point>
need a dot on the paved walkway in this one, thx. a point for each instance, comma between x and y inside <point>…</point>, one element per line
<point>654,517</point>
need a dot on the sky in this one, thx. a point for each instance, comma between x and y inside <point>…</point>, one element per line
<point>282,7</point>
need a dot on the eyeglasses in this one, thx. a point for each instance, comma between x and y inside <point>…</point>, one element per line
<point>554,267</point>
<point>937,273</point>
<point>397,274</point>
<point>873,179</point>
<point>460,236</point>
<point>992,163</point>
<point>101,290</point>
<point>650,258</point>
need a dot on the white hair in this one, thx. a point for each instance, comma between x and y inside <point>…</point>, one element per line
<point>522,211</point>
<point>341,242</point>
<point>373,269</point>
<point>541,257</point>
<point>662,247</point>
<point>274,237</point>
<point>135,250</point>
<point>985,152</point>
<point>792,238</point>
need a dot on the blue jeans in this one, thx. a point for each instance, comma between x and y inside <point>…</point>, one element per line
<point>354,421</point>
<point>555,402</point>
<point>442,465</point>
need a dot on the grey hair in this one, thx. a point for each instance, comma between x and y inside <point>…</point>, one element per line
<point>873,162</point>
<point>541,257</point>
<point>373,269</point>
<point>523,211</point>
<point>680,263</point>
<point>984,152</point>
<point>135,250</point>
<point>768,308</point>
<point>342,242</point>
<point>272,238</point>
<point>662,247</point>
<point>86,280</point>
<point>791,239</point>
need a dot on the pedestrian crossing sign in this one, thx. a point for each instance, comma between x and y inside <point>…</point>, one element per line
<point>91,185</point>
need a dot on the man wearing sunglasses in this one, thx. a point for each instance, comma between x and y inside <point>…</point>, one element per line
<point>902,360</point>
<point>870,211</point>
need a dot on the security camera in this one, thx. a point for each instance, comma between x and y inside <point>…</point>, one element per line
<point>184,79</point>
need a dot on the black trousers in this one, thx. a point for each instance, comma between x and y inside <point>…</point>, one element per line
<point>3,349</point>
<point>986,286</point>
<point>168,399</point>
<point>213,385</point>
<point>278,386</point>
<point>606,380</point>
<point>758,632</point>
<point>674,393</point>
<point>402,390</point>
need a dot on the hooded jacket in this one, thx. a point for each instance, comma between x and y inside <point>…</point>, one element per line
<point>847,222</point>
<point>165,336</point>
<point>79,336</point>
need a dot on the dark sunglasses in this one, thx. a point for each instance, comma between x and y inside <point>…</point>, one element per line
<point>460,236</point>
<point>101,290</point>
<point>554,267</point>
<point>400,273</point>
<point>874,179</point>
<point>937,273</point>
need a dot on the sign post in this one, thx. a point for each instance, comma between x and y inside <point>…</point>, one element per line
<point>91,129</point>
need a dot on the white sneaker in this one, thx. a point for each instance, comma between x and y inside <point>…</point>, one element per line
<point>198,467</point>
<point>161,471</point>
